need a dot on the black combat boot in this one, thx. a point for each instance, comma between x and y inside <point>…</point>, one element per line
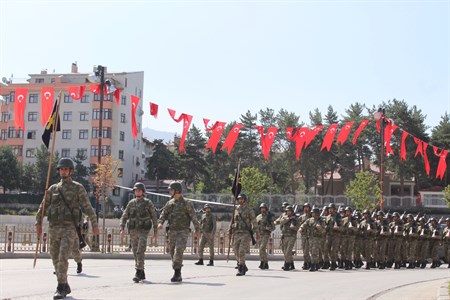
<point>79,267</point>
<point>396,265</point>
<point>389,264</point>
<point>314,267</point>
<point>142,275</point>
<point>423,264</point>
<point>341,264</point>
<point>368,265</point>
<point>411,265</point>
<point>137,276</point>
<point>261,265</point>
<point>305,266</point>
<point>211,263</point>
<point>60,291</point>
<point>176,276</point>
<point>382,265</point>
<point>284,266</point>
<point>292,266</point>
<point>333,266</point>
<point>287,266</point>
<point>240,271</point>
<point>67,289</point>
<point>200,262</point>
<point>266,266</point>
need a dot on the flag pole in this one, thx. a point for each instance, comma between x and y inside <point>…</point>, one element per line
<point>47,182</point>
<point>235,191</point>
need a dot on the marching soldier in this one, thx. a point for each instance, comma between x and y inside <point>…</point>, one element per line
<point>263,231</point>
<point>208,231</point>
<point>368,233</point>
<point>289,227</point>
<point>315,227</point>
<point>63,202</point>
<point>423,243</point>
<point>396,228</point>
<point>179,213</point>
<point>304,237</point>
<point>434,242</point>
<point>277,221</point>
<point>410,234</point>
<point>333,221</point>
<point>348,231</point>
<point>242,230</point>
<point>381,240</point>
<point>446,240</point>
<point>139,216</point>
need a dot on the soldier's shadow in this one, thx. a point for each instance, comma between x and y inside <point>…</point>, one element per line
<point>83,275</point>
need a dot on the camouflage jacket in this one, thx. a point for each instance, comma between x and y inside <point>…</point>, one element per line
<point>265,223</point>
<point>179,214</point>
<point>139,214</point>
<point>244,219</point>
<point>289,225</point>
<point>208,223</point>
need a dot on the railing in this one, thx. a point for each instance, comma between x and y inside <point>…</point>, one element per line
<point>22,238</point>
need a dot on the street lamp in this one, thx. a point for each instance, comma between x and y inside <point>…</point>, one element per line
<point>380,116</point>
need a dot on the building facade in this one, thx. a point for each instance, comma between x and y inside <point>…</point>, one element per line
<point>80,122</point>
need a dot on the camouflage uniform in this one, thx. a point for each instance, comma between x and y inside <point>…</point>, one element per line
<point>289,228</point>
<point>446,241</point>
<point>305,242</point>
<point>332,241</point>
<point>244,221</point>
<point>423,243</point>
<point>368,233</point>
<point>380,253</point>
<point>396,228</point>
<point>179,214</point>
<point>139,216</point>
<point>410,235</point>
<point>60,215</point>
<point>264,229</point>
<point>435,240</point>
<point>315,228</point>
<point>348,231</point>
<point>208,230</point>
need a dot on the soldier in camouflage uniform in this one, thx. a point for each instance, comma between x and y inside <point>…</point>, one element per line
<point>263,232</point>
<point>396,228</point>
<point>380,253</point>
<point>241,228</point>
<point>348,231</point>
<point>423,243</point>
<point>315,227</point>
<point>277,221</point>
<point>410,235</point>
<point>289,227</point>
<point>446,241</point>
<point>304,236</point>
<point>368,232</point>
<point>208,231</point>
<point>435,240</point>
<point>139,216</point>
<point>62,203</point>
<point>333,221</point>
<point>76,251</point>
<point>179,213</point>
<point>358,242</point>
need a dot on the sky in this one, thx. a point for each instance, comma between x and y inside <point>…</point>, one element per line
<point>220,59</point>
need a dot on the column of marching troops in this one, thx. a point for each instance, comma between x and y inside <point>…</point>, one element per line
<point>343,238</point>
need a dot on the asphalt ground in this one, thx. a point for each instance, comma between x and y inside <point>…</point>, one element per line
<point>104,277</point>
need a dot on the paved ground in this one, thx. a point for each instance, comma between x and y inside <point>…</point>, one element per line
<point>111,279</point>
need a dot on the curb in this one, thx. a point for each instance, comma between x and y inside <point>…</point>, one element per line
<point>443,292</point>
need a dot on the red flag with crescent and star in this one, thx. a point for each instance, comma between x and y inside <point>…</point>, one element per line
<point>134,106</point>
<point>312,134</point>
<point>47,96</point>
<point>442,166</point>
<point>345,131</point>
<point>153,109</point>
<point>299,137</point>
<point>216,133</point>
<point>403,146</point>
<point>20,101</point>
<point>388,132</point>
<point>231,138</point>
<point>329,137</point>
<point>76,92</point>
<point>267,139</point>
<point>359,130</point>
<point>187,119</point>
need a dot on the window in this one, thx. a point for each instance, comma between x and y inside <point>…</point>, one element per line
<point>107,114</point>
<point>122,136</point>
<point>106,132</point>
<point>39,80</point>
<point>85,99</point>
<point>116,191</point>
<point>65,152</point>
<point>67,99</point>
<point>17,150</point>
<point>29,153</point>
<point>4,135</point>
<point>121,154</point>
<point>120,172</point>
<point>95,132</point>
<point>32,116</point>
<point>106,150</point>
<point>84,116</point>
<point>82,152</point>
<point>83,134</point>
<point>67,116</point>
<point>67,134</point>
<point>31,135</point>
<point>123,118</point>
<point>94,151</point>
<point>33,98</point>
<point>5,117</point>
<point>13,134</point>
<point>12,96</point>
<point>123,100</point>
<point>105,97</point>
<point>52,80</point>
<point>96,114</point>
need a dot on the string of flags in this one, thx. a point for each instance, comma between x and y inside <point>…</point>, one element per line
<point>302,137</point>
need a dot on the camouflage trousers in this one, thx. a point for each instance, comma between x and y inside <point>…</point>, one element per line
<point>397,247</point>
<point>422,249</point>
<point>288,246</point>
<point>138,241</point>
<point>379,253</point>
<point>241,245</point>
<point>206,239</point>
<point>357,249</point>
<point>332,247</point>
<point>390,249</point>
<point>347,247</point>
<point>434,245</point>
<point>412,250</point>
<point>263,240</point>
<point>177,244</point>
<point>76,251</point>
<point>314,248</point>
<point>367,249</point>
<point>61,244</point>
<point>305,248</point>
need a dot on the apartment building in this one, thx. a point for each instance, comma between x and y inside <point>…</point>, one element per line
<point>80,122</point>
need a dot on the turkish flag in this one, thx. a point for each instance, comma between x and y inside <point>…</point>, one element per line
<point>95,88</point>
<point>299,137</point>
<point>425,158</point>
<point>403,146</point>
<point>329,137</point>
<point>47,96</point>
<point>358,131</point>
<point>345,131</point>
<point>419,146</point>
<point>216,133</point>
<point>153,110</point>
<point>76,92</point>
<point>116,95</point>
<point>230,140</point>
<point>187,119</point>
<point>312,134</point>
<point>388,131</point>
<point>134,106</point>
<point>442,166</point>
<point>20,101</point>
<point>267,139</point>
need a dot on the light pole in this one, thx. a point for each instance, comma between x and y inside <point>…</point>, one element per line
<point>380,116</point>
